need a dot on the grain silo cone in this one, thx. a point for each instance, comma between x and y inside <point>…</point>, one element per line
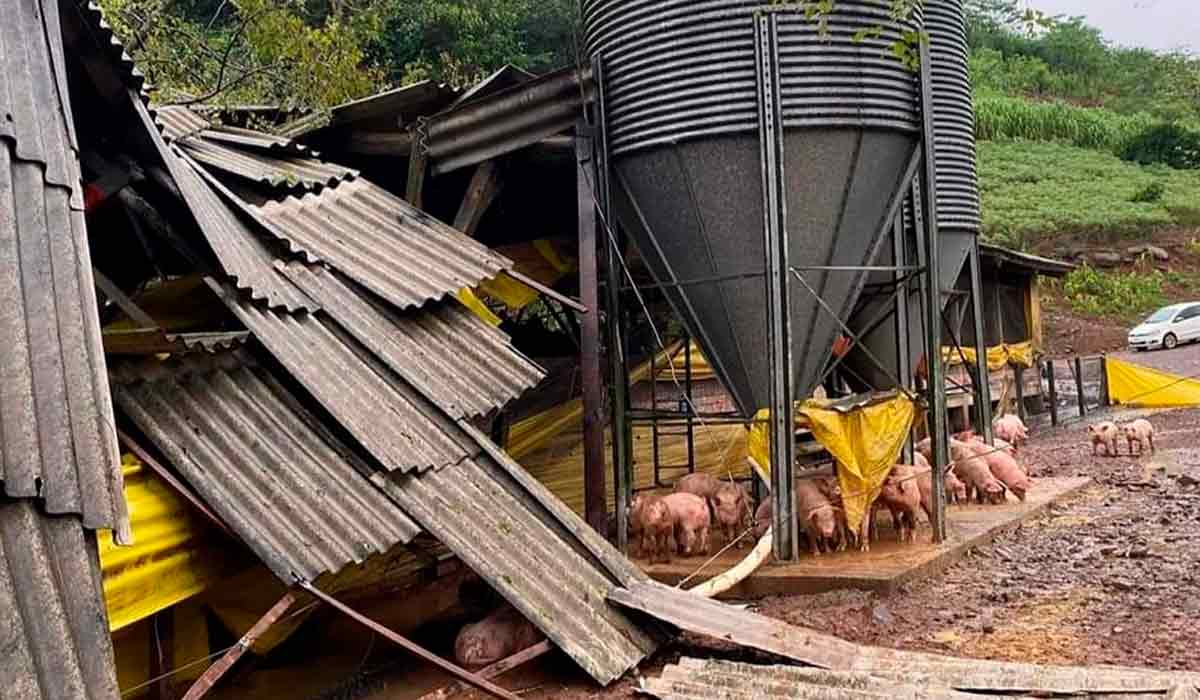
<point>680,88</point>
<point>957,197</point>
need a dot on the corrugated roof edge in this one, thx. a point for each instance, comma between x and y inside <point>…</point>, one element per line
<point>103,34</point>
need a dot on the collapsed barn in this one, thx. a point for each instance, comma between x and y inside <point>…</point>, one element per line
<point>358,363</point>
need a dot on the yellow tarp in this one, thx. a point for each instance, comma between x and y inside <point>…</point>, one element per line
<point>175,554</point>
<point>700,368</point>
<point>477,307</point>
<point>1016,354</point>
<point>865,441</point>
<point>1134,385</point>
<point>539,260</point>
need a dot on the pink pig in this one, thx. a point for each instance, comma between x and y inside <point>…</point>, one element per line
<point>975,473</point>
<point>1104,433</point>
<point>1011,429</point>
<point>692,521</point>
<point>495,637</point>
<point>650,521</point>
<point>1141,432</point>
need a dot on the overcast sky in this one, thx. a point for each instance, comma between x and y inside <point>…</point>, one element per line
<point>1162,25</point>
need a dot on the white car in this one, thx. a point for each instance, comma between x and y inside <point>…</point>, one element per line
<point>1167,328</point>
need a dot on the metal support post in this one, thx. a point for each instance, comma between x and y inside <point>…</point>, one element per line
<point>1079,387</point>
<point>903,347</point>
<point>933,311</point>
<point>1019,390</point>
<point>983,388</point>
<point>595,503</point>
<point>688,405</point>
<point>622,436</point>
<point>1053,389</point>
<point>779,326</point>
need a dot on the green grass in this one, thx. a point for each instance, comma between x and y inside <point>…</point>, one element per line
<point>1032,190</point>
<point>1114,294</point>
<point>999,117</point>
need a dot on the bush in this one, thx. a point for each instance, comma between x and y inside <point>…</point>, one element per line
<point>1124,294</point>
<point>1170,144</point>
<point>1150,193</point>
<point>999,118</point>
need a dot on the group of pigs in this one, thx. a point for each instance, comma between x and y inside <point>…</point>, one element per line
<point>1106,434</point>
<point>681,521</point>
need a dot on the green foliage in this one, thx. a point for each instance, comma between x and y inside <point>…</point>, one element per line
<point>1171,144</point>
<point>1122,294</point>
<point>1034,190</point>
<point>1004,118</point>
<point>1150,193</point>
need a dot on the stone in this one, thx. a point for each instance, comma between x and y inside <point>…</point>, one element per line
<point>1154,251</point>
<point>881,615</point>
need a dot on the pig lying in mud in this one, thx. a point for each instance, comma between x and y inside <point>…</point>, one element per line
<point>1141,432</point>
<point>495,637</point>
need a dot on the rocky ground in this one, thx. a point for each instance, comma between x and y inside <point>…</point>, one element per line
<point>1111,576</point>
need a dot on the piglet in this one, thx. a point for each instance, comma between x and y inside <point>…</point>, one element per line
<point>700,484</point>
<point>956,491</point>
<point>901,496</point>
<point>818,517</point>
<point>1104,433</point>
<point>729,506</point>
<point>650,520</point>
<point>763,517</point>
<point>1005,468</point>
<point>495,637</point>
<point>1011,429</point>
<point>692,522</point>
<point>1141,432</point>
<point>975,473</point>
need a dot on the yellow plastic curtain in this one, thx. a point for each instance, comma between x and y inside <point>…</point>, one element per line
<point>1016,354</point>
<point>700,367</point>
<point>477,307</point>
<point>1135,385</point>
<point>865,441</point>
<point>538,259</point>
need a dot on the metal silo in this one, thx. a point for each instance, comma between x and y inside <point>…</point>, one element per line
<point>682,123</point>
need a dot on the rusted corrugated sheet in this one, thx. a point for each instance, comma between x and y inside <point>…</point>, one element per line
<point>55,411</point>
<point>382,242</point>
<point>392,110</point>
<point>54,638</point>
<point>179,122</point>
<point>251,453</point>
<point>711,679</point>
<point>715,619</point>
<point>273,170</point>
<point>464,365</point>
<point>500,531</point>
<point>109,45</point>
<point>237,136</point>
<point>395,423</point>
<point>151,341</point>
<point>506,121</point>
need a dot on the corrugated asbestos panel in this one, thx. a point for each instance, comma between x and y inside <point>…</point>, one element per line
<point>242,254</point>
<point>179,122</point>
<point>712,679</point>
<point>464,365</point>
<point>109,43</point>
<point>715,619</point>
<point>487,127</point>
<point>382,242</point>
<point>151,341</point>
<point>247,448</point>
<point>394,422</point>
<point>393,109</point>
<point>274,170</point>
<point>54,639</point>
<point>501,532</point>
<point>238,136</point>
<point>58,441</point>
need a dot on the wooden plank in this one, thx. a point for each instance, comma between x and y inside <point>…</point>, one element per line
<point>496,669</point>
<point>116,296</point>
<point>215,672</point>
<point>418,163</point>
<point>485,185</point>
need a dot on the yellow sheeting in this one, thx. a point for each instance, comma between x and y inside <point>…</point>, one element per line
<point>189,644</point>
<point>865,441</point>
<point>1017,354</point>
<point>1135,385</point>
<point>175,554</point>
<point>539,260</point>
<point>700,367</point>
<point>477,307</point>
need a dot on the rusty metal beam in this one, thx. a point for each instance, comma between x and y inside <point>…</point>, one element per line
<point>485,185</point>
<point>502,666</point>
<point>595,502</point>
<point>460,673</point>
<point>165,474</point>
<point>218,670</point>
<point>577,307</point>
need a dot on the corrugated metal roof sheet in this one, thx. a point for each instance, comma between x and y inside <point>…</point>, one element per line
<point>395,423</point>
<point>54,639</point>
<point>461,363</point>
<point>276,170</point>
<point>151,341</point>
<point>495,527</point>
<point>55,410</point>
<point>178,122</point>
<point>249,450</point>
<point>382,242</point>
<point>393,109</point>
<point>249,138</point>
<point>508,120</point>
<point>106,40</point>
<point>712,679</point>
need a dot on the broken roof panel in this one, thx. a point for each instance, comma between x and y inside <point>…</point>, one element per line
<point>464,365</point>
<point>394,422</point>
<point>494,525</point>
<point>251,452</point>
<point>54,638</point>
<point>390,110</point>
<point>382,242</point>
<point>273,170</point>
<point>179,122</point>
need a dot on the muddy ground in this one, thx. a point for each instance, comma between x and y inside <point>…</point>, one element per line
<point>1110,576</point>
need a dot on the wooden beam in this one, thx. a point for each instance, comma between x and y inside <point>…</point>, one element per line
<point>218,670</point>
<point>490,672</point>
<point>485,185</point>
<point>116,296</point>
<point>418,162</point>
<point>378,143</point>
<point>162,653</point>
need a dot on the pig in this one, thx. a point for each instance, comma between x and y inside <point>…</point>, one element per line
<point>1104,433</point>
<point>901,496</point>
<point>700,484</point>
<point>763,518</point>
<point>975,473</point>
<point>1141,432</point>
<point>818,517</point>
<point>729,502</point>
<point>1011,429</point>
<point>956,491</point>
<point>1006,469</point>
<point>650,522</point>
<point>692,521</point>
<point>495,637</point>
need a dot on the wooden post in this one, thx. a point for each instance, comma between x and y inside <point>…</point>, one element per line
<point>418,162</point>
<point>1053,389</point>
<point>485,185</point>
<point>595,502</point>
<point>1019,381</point>
<point>1105,399</point>
<point>162,653</point>
<point>1079,386</point>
